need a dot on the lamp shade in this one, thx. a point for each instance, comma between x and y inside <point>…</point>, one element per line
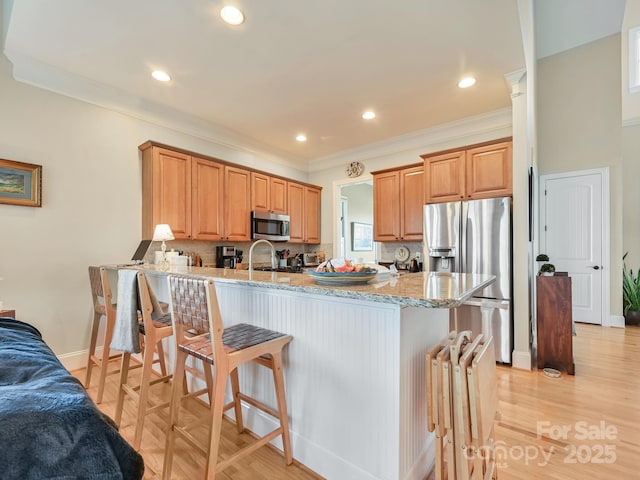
<point>162,232</point>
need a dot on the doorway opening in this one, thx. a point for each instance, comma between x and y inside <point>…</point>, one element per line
<point>353,209</point>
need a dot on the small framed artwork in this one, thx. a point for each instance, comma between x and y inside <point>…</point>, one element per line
<point>20,183</point>
<point>361,237</point>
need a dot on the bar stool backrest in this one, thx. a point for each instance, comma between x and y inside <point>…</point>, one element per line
<point>95,280</point>
<point>195,310</point>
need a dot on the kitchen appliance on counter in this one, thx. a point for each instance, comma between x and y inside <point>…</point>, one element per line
<point>311,259</point>
<point>475,237</point>
<point>226,257</point>
<point>270,226</point>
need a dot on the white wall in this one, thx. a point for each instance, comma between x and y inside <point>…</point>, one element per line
<point>91,209</point>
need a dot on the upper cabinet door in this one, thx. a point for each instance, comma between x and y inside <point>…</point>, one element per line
<point>237,221</point>
<point>260,192</point>
<point>411,203</point>
<point>312,215</point>
<point>444,177</point>
<point>386,208</point>
<point>171,192</point>
<point>489,171</point>
<point>278,197</point>
<point>207,200</point>
<point>295,207</point>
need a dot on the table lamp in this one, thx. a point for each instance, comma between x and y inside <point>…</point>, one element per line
<point>161,233</point>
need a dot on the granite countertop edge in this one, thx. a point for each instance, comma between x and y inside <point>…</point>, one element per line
<point>279,281</point>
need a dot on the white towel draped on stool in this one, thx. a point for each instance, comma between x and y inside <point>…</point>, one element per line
<point>126,333</point>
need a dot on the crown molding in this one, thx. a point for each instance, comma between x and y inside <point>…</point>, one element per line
<point>38,74</point>
<point>486,123</point>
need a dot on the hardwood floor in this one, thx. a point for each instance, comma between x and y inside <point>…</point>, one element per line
<point>583,427</point>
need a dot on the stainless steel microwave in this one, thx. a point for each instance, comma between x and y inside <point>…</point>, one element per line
<point>270,226</point>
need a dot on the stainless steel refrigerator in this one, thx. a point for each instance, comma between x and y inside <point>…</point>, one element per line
<point>475,237</point>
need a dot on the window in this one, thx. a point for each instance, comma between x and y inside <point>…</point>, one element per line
<point>634,60</point>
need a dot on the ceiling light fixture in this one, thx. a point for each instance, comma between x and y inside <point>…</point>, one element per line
<point>232,15</point>
<point>301,137</point>
<point>466,82</point>
<point>369,115</point>
<point>160,76</point>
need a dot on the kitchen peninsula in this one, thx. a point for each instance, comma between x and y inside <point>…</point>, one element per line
<point>354,372</point>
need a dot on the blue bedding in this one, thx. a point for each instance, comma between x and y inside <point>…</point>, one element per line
<point>49,427</point>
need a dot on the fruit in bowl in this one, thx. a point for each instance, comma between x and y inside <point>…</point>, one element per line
<point>345,267</point>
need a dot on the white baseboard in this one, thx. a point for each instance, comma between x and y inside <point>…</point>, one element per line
<point>613,321</point>
<point>521,360</point>
<point>76,360</point>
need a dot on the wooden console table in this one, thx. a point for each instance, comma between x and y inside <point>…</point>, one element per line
<point>555,323</point>
<point>8,313</point>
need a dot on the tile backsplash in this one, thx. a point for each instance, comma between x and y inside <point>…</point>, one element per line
<point>386,250</point>
<point>207,250</point>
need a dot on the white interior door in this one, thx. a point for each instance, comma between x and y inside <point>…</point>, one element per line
<point>572,236</point>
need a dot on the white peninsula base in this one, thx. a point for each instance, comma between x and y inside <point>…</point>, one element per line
<point>355,379</point>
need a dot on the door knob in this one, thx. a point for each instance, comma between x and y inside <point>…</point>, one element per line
<point>596,267</point>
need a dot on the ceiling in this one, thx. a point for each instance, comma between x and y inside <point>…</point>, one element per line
<point>291,67</point>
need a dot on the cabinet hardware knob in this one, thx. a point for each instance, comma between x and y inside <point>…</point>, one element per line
<point>596,267</point>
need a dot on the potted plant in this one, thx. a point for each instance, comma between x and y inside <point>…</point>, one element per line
<point>541,259</point>
<point>547,269</point>
<point>630,295</point>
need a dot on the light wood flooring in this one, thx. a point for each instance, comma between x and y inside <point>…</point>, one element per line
<point>583,427</point>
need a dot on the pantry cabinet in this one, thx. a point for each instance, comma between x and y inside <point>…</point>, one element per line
<point>304,213</point>
<point>268,194</point>
<point>398,198</point>
<point>479,171</point>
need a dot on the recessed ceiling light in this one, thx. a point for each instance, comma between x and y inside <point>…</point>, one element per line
<point>301,137</point>
<point>369,115</point>
<point>160,76</point>
<point>232,15</point>
<point>466,82</point>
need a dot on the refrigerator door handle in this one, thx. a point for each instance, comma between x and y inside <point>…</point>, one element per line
<point>462,264</point>
<point>488,303</point>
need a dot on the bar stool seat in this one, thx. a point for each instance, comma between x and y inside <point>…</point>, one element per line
<point>199,333</point>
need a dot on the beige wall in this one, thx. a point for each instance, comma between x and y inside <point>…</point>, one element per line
<point>631,195</point>
<point>630,101</point>
<point>580,127</point>
<point>91,211</point>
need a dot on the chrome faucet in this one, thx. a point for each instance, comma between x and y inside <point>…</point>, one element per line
<point>273,253</point>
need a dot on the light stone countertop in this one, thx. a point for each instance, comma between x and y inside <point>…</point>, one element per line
<point>423,289</point>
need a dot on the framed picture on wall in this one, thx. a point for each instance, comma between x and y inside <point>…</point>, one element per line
<point>20,183</point>
<point>361,237</point>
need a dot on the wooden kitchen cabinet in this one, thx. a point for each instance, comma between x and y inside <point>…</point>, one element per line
<point>398,199</point>
<point>207,200</point>
<point>166,191</point>
<point>444,177</point>
<point>268,194</point>
<point>237,220</point>
<point>186,192</point>
<point>304,213</point>
<point>554,323</point>
<point>478,171</point>
<point>488,171</point>
<point>411,203</point>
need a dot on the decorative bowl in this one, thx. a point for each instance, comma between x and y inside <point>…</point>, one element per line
<point>341,278</point>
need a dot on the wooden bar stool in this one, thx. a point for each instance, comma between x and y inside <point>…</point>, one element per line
<point>152,331</point>
<point>100,289</point>
<point>199,332</point>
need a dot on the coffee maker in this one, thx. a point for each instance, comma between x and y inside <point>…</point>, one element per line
<point>225,257</point>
